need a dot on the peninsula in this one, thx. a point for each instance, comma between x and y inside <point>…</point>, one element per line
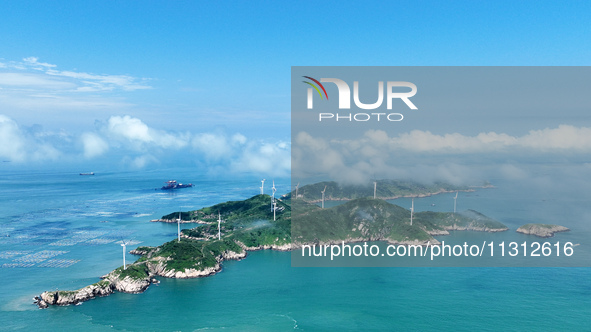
<point>248,225</point>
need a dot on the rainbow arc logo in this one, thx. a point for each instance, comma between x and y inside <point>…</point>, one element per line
<point>316,87</point>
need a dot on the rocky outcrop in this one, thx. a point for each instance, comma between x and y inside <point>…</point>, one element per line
<point>162,270</point>
<point>232,255</point>
<point>174,221</point>
<point>455,227</point>
<point>279,247</point>
<point>102,288</point>
<point>141,251</point>
<point>131,285</point>
<point>110,283</point>
<point>541,230</point>
<point>435,232</point>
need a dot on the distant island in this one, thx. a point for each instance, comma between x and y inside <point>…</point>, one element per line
<point>384,189</point>
<point>541,230</point>
<point>248,225</point>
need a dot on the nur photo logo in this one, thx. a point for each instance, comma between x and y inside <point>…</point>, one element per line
<point>344,99</point>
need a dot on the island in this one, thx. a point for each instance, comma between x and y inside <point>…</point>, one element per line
<point>384,189</point>
<point>251,224</point>
<point>541,230</point>
<point>368,219</point>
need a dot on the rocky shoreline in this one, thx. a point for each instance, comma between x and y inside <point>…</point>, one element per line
<point>107,286</point>
<point>189,258</point>
<point>476,229</point>
<point>541,230</point>
<point>174,221</point>
<point>112,281</point>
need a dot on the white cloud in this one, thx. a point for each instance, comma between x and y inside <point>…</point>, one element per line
<point>244,156</point>
<point>91,82</point>
<point>83,81</point>
<point>214,146</point>
<point>19,146</point>
<point>126,140</point>
<point>273,159</point>
<point>94,145</point>
<point>142,161</point>
<point>129,128</point>
<point>134,131</point>
<point>314,156</point>
<point>565,138</point>
<point>33,81</point>
<point>40,77</point>
<point>512,172</point>
<point>562,138</point>
<point>36,87</point>
<point>11,140</point>
<point>34,61</point>
<point>239,139</point>
<point>431,155</point>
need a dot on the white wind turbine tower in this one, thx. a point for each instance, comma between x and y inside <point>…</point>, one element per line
<point>323,196</point>
<point>123,244</point>
<point>262,185</point>
<point>178,222</point>
<point>273,195</point>
<point>273,203</point>
<point>455,201</point>
<point>274,209</point>
<point>375,187</point>
<point>412,209</point>
<point>219,226</point>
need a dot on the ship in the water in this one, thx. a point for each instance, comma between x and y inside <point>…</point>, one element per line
<point>175,185</point>
<point>91,173</point>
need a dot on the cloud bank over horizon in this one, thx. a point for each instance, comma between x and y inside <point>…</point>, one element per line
<point>129,142</point>
<point>451,157</point>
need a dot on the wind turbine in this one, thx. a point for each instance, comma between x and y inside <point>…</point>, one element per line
<point>297,186</point>
<point>412,209</point>
<point>375,187</point>
<point>274,209</point>
<point>455,201</point>
<point>219,225</point>
<point>273,196</point>
<point>123,244</point>
<point>262,185</point>
<point>179,226</point>
<point>323,196</point>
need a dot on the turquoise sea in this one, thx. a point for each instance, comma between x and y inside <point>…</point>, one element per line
<point>52,237</point>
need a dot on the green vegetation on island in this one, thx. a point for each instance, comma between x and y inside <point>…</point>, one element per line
<point>368,219</point>
<point>255,208</point>
<point>249,225</point>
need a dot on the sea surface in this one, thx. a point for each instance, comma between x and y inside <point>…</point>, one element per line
<point>60,230</point>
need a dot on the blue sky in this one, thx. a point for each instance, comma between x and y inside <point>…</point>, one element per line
<point>125,84</point>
